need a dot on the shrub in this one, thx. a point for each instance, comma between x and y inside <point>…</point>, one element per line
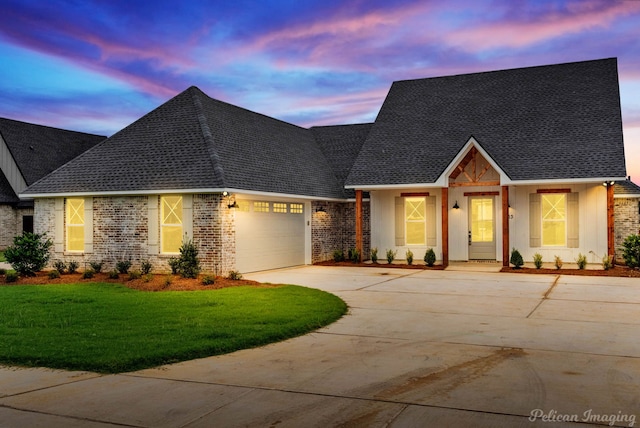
<point>11,277</point>
<point>72,267</point>
<point>134,274</point>
<point>29,253</point>
<point>88,274</point>
<point>235,275</point>
<point>630,251</point>
<point>114,274</point>
<point>146,267</point>
<point>54,274</point>
<point>3,271</point>
<point>148,277</point>
<point>391,255</point>
<point>606,262</point>
<point>558,262</point>
<point>354,255</point>
<point>338,256</point>
<point>208,279</point>
<point>189,264</point>
<point>374,255</point>
<point>537,260</point>
<point>96,266</point>
<point>409,256</point>
<point>581,261</point>
<point>168,280</point>
<point>123,266</point>
<point>430,257</point>
<point>60,266</point>
<point>174,264</point>
<point>516,259</point>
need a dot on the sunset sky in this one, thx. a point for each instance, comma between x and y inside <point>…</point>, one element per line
<point>96,66</point>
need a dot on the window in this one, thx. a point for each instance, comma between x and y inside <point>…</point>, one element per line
<point>171,223</point>
<point>74,216</point>
<point>554,219</point>
<point>482,220</point>
<point>279,207</point>
<point>243,206</point>
<point>261,207</point>
<point>415,221</point>
<point>295,208</point>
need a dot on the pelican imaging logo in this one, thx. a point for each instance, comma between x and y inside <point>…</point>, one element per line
<point>587,416</point>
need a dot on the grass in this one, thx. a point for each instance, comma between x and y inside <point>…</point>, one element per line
<point>2,259</point>
<point>109,328</point>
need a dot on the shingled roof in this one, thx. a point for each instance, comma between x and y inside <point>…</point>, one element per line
<point>626,187</point>
<point>554,122</point>
<point>196,143</point>
<point>38,150</point>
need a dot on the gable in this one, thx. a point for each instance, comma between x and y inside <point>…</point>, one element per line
<point>474,170</point>
<point>537,123</point>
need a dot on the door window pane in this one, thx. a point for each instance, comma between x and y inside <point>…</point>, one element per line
<point>482,220</point>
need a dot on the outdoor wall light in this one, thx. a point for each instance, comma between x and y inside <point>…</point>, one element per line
<point>230,200</point>
<point>321,210</point>
<point>456,206</point>
<point>607,184</point>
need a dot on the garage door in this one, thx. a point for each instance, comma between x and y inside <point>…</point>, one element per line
<point>269,235</point>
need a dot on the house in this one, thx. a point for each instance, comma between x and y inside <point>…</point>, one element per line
<point>469,165</point>
<point>626,196</point>
<point>28,152</point>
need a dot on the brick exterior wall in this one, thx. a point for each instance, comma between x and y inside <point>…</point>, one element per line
<point>214,234</point>
<point>626,222</point>
<point>11,223</point>
<point>335,229</point>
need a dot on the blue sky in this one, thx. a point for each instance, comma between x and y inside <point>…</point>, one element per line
<point>97,66</point>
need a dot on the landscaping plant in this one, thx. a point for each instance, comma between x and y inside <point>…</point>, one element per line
<point>29,253</point>
<point>123,266</point>
<point>391,255</point>
<point>516,259</point>
<point>606,262</point>
<point>631,251</point>
<point>72,267</point>
<point>146,267</point>
<point>96,266</point>
<point>430,257</point>
<point>188,265</point>
<point>338,256</point>
<point>374,255</point>
<point>409,256</point>
<point>537,260</point>
<point>354,255</point>
<point>581,261</point>
<point>60,266</point>
<point>558,262</point>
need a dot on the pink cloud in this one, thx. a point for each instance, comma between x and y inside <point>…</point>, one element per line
<point>583,16</point>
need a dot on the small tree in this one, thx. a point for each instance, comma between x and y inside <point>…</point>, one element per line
<point>430,257</point>
<point>29,253</point>
<point>516,259</point>
<point>631,251</point>
<point>188,262</point>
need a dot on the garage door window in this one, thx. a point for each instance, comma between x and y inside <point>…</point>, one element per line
<point>295,208</point>
<point>261,207</point>
<point>279,207</point>
<point>172,225</point>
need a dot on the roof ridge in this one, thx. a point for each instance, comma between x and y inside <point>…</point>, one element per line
<point>216,164</point>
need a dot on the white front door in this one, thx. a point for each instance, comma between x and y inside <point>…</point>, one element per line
<point>482,228</point>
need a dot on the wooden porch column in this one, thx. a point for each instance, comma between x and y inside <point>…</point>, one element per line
<point>611,246</point>
<point>505,226</point>
<point>445,226</point>
<point>359,223</point>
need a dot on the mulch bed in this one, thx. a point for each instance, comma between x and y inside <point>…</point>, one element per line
<point>156,282</point>
<point>617,271</point>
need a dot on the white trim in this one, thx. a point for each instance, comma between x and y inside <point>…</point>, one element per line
<point>178,192</point>
<point>626,196</point>
<point>394,186</point>
<point>437,185</point>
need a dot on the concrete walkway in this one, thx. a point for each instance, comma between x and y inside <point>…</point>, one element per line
<point>417,349</point>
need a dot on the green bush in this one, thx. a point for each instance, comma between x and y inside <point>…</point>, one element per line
<point>134,274</point>
<point>88,274</point>
<point>516,259</point>
<point>96,266</point>
<point>11,277</point>
<point>174,264</point>
<point>60,266</point>
<point>123,266</point>
<point>148,277</point>
<point>338,256</point>
<point>354,255</point>
<point>557,262</point>
<point>391,255</point>
<point>167,281</point>
<point>146,267</point>
<point>54,274</point>
<point>208,279</point>
<point>72,267</point>
<point>409,257</point>
<point>29,253</point>
<point>630,251</point>
<point>537,260</point>
<point>606,262</point>
<point>3,271</point>
<point>581,261</point>
<point>430,257</point>
<point>114,274</point>
<point>374,255</point>
<point>235,275</point>
<point>188,262</point>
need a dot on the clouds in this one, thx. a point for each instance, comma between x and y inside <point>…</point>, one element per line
<point>98,65</point>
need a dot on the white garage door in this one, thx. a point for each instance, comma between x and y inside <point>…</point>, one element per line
<point>269,235</point>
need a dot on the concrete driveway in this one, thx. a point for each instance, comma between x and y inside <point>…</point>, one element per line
<point>418,348</point>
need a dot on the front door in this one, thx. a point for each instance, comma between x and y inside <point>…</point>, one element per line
<point>482,228</point>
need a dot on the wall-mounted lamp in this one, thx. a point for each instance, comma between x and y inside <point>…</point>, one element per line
<point>456,206</point>
<point>230,200</point>
<point>321,210</point>
<point>608,183</point>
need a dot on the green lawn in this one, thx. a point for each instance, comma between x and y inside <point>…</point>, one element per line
<point>110,328</point>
